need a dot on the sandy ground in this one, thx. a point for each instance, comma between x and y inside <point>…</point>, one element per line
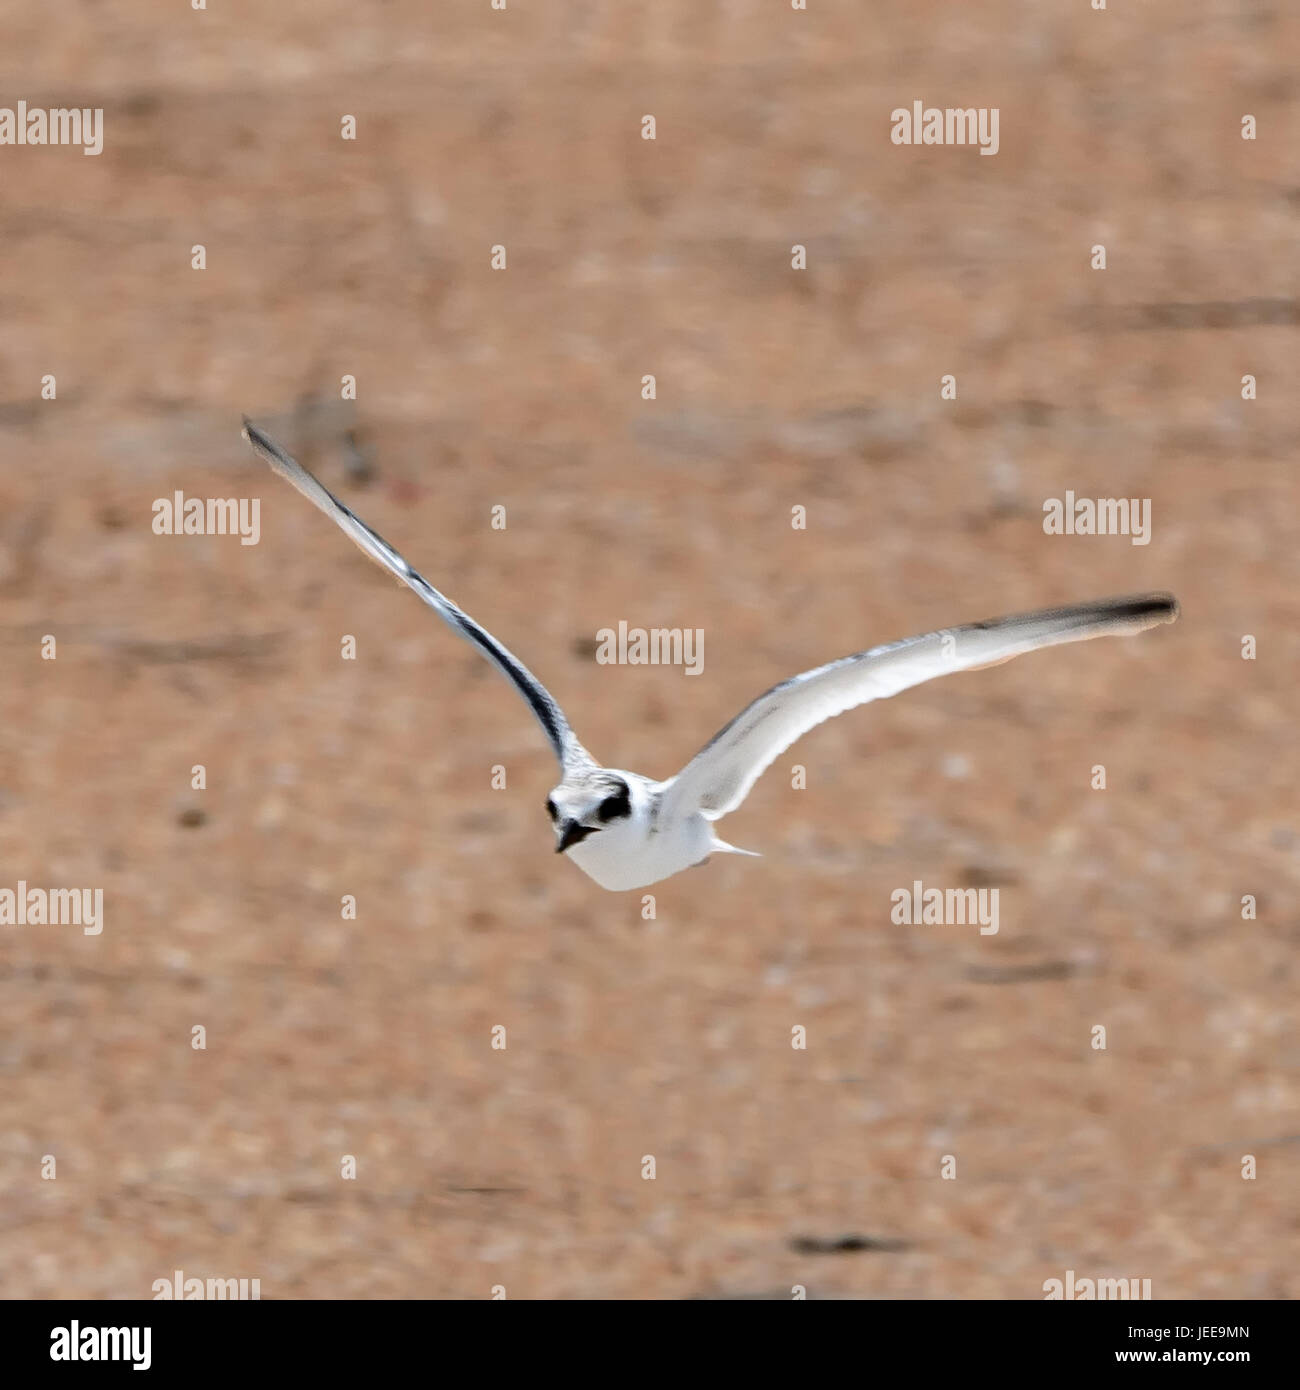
<point>776,389</point>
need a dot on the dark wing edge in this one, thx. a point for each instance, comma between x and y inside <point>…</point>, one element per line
<point>717,778</point>
<point>567,749</point>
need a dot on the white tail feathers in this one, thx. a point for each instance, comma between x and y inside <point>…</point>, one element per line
<point>721,847</point>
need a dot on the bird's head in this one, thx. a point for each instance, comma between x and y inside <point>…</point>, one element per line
<point>587,806</point>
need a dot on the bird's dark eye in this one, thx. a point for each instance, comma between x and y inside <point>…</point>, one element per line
<point>614,807</point>
<point>550,808</point>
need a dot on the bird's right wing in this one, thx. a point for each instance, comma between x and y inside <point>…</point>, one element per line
<point>720,775</point>
<point>549,715</point>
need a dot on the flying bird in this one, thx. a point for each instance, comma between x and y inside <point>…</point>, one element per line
<point>627,831</point>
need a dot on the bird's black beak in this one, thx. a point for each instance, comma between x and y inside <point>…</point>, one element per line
<point>571,834</point>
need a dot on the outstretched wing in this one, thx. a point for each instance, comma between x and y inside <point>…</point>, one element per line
<point>549,715</point>
<point>720,775</point>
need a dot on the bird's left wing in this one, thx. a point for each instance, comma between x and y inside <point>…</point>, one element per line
<point>549,715</point>
<point>721,774</point>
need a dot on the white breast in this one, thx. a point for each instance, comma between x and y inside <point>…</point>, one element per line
<point>628,855</point>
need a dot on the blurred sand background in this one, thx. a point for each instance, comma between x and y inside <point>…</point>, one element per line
<point>776,388</point>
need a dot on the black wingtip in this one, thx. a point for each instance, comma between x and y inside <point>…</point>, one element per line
<point>261,441</point>
<point>1149,609</point>
<point>1162,607</point>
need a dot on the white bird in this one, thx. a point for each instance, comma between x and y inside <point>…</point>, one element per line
<point>627,831</point>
